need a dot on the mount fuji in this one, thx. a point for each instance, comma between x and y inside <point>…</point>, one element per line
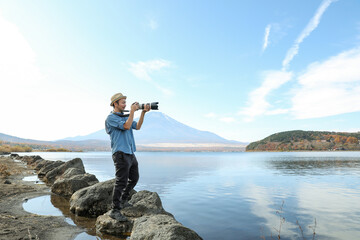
<point>160,128</point>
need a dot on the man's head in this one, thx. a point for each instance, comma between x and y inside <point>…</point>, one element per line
<point>118,101</point>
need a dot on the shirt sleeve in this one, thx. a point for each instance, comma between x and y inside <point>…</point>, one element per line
<point>133,125</point>
<point>116,122</point>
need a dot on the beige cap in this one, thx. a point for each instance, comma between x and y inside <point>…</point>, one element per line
<point>116,97</point>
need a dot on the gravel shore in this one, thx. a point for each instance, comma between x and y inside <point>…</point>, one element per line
<point>15,222</point>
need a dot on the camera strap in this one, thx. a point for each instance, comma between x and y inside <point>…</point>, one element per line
<point>121,114</point>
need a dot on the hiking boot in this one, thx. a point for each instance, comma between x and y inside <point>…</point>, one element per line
<point>125,204</point>
<point>116,214</point>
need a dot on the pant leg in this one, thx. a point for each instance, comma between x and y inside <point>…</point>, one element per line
<point>122,166</point>
<point>133,177</point>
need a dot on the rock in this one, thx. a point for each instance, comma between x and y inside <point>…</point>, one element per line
<point>51,175</point>
<point>161,227</point>
<point>14,155</point>
<point>72,172</point>
<point>31,159</point>
<point>48,167</point>
<point>42,163</point>
<point>67,186</point>
<point>5,153</point>
<point>94,200</point>
<point>106,225</point>
<point>144,203</point>
<point>7,182</point>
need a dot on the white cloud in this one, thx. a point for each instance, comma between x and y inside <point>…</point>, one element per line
<point>277,111</point>
<point>266,37</point>
<point>210,115</point>
<point>329,88</point>
<point>228,119</point>
<point>257,104</point>
<point>312,25</point>
<point>275,79</point>
<point>35,105</point>
<point>17,58</point>
<point>143,70</point>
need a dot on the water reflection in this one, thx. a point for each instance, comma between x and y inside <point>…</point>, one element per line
<point>41,206</point>
<point>315,167</point>
<point>88,224</point>
<point>335,207</point>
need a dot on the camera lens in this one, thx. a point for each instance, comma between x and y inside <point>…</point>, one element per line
<point>153,105</point>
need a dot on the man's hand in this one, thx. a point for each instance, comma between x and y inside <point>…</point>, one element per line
<point>147,108</point>
<point>135,106</point>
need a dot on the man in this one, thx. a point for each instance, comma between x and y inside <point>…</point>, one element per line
<point>120,128</point>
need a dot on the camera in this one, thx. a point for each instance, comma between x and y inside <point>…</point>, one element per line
<point>153,105</point>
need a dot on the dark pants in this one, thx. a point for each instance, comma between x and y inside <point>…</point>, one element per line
<point>127,175</point>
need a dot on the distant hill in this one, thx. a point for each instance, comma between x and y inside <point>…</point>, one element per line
<point>160,128</point>
<point>307,141</point>
<point>84,145</point>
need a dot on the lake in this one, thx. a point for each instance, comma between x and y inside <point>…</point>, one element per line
<point>248,195</point>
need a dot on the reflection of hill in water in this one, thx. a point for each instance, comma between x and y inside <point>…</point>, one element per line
<point>336,166</point>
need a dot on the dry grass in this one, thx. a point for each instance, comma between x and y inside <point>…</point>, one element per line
<point>4,171</point>
<point>282,220</point>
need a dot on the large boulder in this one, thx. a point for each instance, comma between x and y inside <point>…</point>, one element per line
<point>161,227</point>
<point>144,203</point>
<point>71,172</point>
<point>42,163</point>
<point>67,186</point>
<point>94,200</point>
<point>106,225</point>
<point>51,176</point>
<point>48,167</point>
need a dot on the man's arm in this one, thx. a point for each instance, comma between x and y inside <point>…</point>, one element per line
<point>129,121</point>
<point>141,119</point>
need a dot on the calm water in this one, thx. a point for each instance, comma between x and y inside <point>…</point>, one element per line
<point>245,195</point>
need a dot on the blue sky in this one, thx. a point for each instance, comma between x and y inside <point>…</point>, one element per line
<point>240,69</point>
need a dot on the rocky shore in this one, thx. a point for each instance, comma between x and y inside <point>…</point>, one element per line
<point>86,198</point>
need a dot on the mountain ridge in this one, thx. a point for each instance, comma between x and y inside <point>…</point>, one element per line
<point>161,128</point>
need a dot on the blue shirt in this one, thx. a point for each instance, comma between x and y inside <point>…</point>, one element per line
<point>121,139</point>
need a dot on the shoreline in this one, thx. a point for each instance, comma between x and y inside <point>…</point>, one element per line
<point>15,222</point>
<point>83,216</point>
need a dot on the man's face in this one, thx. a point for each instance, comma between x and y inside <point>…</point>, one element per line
<point>122,105</point>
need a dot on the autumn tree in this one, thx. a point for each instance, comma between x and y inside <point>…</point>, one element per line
<point>352,140</point>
